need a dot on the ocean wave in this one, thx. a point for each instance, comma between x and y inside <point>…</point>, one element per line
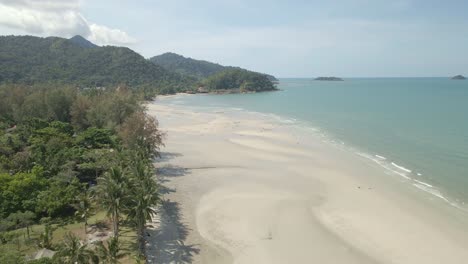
<point>237,109</point>
<point>367,156</point>
<point>401,167</point>
<point>424,183</point>
<point>406,174</point>
<point>381,157</point>
<point>431,190</point>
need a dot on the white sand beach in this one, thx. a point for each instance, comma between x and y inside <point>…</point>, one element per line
<point>246,188</point>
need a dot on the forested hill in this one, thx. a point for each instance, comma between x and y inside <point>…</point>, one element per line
<point>238,80</point>
<point>35,60</point>
<point>82,42</point>
<point>199,69</point>
<point>187,66</point>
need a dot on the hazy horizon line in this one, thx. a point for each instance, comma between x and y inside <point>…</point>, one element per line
<point>368,77</point>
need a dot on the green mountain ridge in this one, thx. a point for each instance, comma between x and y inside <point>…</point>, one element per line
<point>82,42</point>
<point>30,60</point>
<point>34,60</point>
<point>199,69</point>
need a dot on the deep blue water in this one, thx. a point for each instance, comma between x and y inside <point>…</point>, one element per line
<point>420,124</point>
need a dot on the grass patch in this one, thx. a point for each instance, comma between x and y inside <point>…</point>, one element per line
<point>97,223</point>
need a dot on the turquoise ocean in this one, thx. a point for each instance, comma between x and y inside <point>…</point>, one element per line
<point>416,127</point>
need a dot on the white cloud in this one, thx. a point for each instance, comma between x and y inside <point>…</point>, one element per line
<point>104,35</point>
<point>57,18</point>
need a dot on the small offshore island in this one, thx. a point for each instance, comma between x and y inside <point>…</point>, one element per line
<point>458,77</point>
<point>328,79</point>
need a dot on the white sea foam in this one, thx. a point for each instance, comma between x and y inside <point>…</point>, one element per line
<point>405,173</point>
<point>369,157</point>
<point>401,174</point>
<point>384,164</point>
<point>423,183</point>
<point>381,157</point>
<point>401,167</point>
<point>431,190</point>
<point>237,109</point>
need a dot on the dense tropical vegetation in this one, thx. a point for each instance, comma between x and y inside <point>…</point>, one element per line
<point>198,69</point>
<point>33,60</point>
<point>237,79</point>
<point>67,154</point>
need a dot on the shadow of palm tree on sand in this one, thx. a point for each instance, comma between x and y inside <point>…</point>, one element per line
<point>166,239</point>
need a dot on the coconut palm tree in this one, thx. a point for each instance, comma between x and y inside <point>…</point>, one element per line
<point>111,191</point>
<point>45,238</point>
<point>84,208</point>
<point>143,200</point>
<point>73,250</point>
<point>109,253</point>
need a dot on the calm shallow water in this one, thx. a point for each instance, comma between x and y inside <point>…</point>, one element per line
<point>416,127</point>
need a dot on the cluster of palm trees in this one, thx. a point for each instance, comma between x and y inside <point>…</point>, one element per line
<point>132,192</point>
<point>72,250</point>
<point>126,193</point>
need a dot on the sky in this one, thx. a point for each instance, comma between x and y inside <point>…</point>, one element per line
<point>295,38</point>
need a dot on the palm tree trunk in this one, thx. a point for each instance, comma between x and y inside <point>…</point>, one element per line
<point>85,224</point>
<point>115,222</point>
<point>141,237</point>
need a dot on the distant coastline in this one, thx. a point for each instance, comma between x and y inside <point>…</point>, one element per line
<point>201,90</point>
<point>331,78</point>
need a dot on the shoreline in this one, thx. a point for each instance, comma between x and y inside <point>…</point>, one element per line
<point>216,92</point>
<point>389,165</point>
<point>252,191</point>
